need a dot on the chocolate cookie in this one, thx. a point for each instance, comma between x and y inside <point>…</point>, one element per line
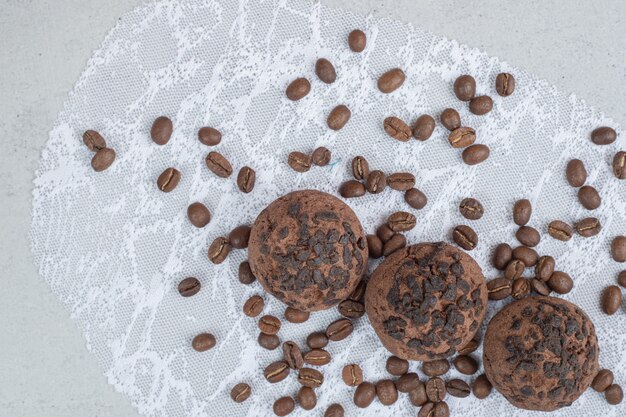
<point>426,301</point>
<point>308,249</point>
<point>541,353</point>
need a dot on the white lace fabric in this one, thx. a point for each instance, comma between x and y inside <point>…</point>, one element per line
<point>113,247</point>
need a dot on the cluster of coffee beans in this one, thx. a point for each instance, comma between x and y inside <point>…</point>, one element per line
<point>104,156</point>
<point>612,295</point>
<point>302,162</point>
<point>603,382</point>
<point>221,246</point>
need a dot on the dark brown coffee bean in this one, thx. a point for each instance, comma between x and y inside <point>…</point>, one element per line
<point>469,347</point>
<point>321,156</point>
<point>505,84</point>
<point>358,294</point>
<point>253,306</point>
<point>614,394</point>
<point>203,342</point>
<point>317,340</point>
<point>439,409</point>
<point>560,230</point>
<point>384,233</point>
<point>462,137</point>
<point>458,388</point>
<point>218,165</point>
<point>374,246</point>
<point>376,182</point>
<point>239,236</point>
<point>401,181</point>
<point>528,236</point>
<point>268,341</point>
<point>209,136</point>
<point>357,40</point>
<point>245,273</point>
<point>189,286</point>
<point>415,198</point>
<point>269,324</point>
<point>408,382</point>
<point>219,250</point>
<point>299,162</point>
<point>325,71</point>
<point>436,368</point>
<point>522,210</point>
<point>94,140</point>
<point>310,377</point>
<point>475,154</point>
<point>351,309</point>
<point>545,268</point>
<point>589,226</point>
<point>246,179</point>
<point>450,119</point>
<point>307,398</point>
<point>293,315</point>
<point>435,390</point>
<point>481,105</point>
<point>391,80</point>
<point>283,406</point>
<point>589,197</point>
<point>499,288</point>
<point>465,237</point>
<point>575,173</point>
<point>276,371</point>
<point>161,130</point>
<point>317,357</point>
<point>514,269</point>
<point>298,89</point>
<point>502,255</point>
<point>611,299</point>
<point>401,221</point>
<point>603,135</point>
<point>198,214</point>
<point>424,127</point>
<point>466,365</point>
<point>397,366</point>
<point>398,241</point>
<point>602,380</point>
<point>103,159</point>
<point>520,288</point>
<point>334,410</point>
<point>387,392</point>
<point>471,209</point>
<point>465,87</point>
<point>292,355</point>
<point>339,330</point>
<point>560,282</point>
<point>338,117</point>
<point>352,375</point>
<point>540,287</point>
<point>527,255</point>
<point>397,129</point>
<point>360,168</point>
<point>481,387</point>
<point>418,395</point>
<point>618,248</point>
<point>364,394</point>
<point>168,180</point>
<point>619,165</point>
<point>621,278</point>
<point>352,189</point>
<point>240,392</point>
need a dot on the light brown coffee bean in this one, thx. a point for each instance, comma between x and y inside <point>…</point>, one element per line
<point>339,330</point>
<point>462,137</point>
<point>522,210</point>
<point>338,117</point>
<point>475,154</point>
<point>465,237</point>
<point>198,214</point>
<point>384,233</point>
<point>352,375</point>
<point>401,221</point>
<point>498,289</point>
<point>317,340</point>
<point>103,159</point>
<point>360,168</point>
<point>240,392</point>
<point>364,394</point>
<point>391,80</point>
<point>611,299</point>
<point>283,406</point>
<point>436,367</point>
<point>545,268</point>
<point>209,136</point>
<point>246,179</point>
<point>376,182</point>
<point>299,161</point>
<point>436,390</point>
<point>398,241</point>
<point>189,286</point>
<point>603,135</point>
<point>424,127</point>
<point>575,173</point>
<point>317,357</point>
<point>502,255</point>
<point>589,197</point>
<point>298,89</point>
<point>589,226</point>
<point>602,380</point>
<point>357,40</point>
<point>351,309</point>
<point>401,181</point>
<point>418,395</point>
<point>321,156</point>
<point>469,347</point>
<point>514,269</point>
<point>269,324</point>
<point>168,180</point>
<point>481,105</point>
<point>618,248</point>
<point>307,398</point>
<point>560,230</point>
<point>161,130</point>
<point>505,84</point>
<point>408,382</point>
<point>239,236</point>
<point>219,250</point>
<point>482,387</point>
<point>471,209</point>
<point>520,288</point>
<point>386,391</point>
<point>246,276</point>
<point>293,355</point>
<point>268,341</point>
<point>397,366</point>
<point>466,365</point>
<point>540,287</point>
<point>415,198</point>
<point>619,165</point>
<point>560,282</point>
<point>218,164</point>
<point>458,388</point>
<point>527,255</point>
<point>450,119</point>
<point>293,315</point>
<point>94,140</point>
<point>397,129</point>
<point>465,87</point>
<point>352,189</point>
<point>614,394</point>
<point>325,71</point>
<point>334,410</point>
<point>203,342</point>
<point>528,236</point>
<point>621,278</point>
<point>253,306</point>
<point>374,246</point>
<point>310,377</point>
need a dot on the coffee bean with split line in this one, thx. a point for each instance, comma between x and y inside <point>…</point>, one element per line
<point>321,156</point>
<point>168,180</point>
<point>619,165</point>
<point>505,84</point>
<point>339,330</point>
<point>351,309</point>
<point>360,168</point>
<point>560,230</point>
<point>588,227</point>
<point>253,306</point>
<point>462,137</point>
<point>94,140</point>
<point>436,390</point>
<point>317,357</point>
<point>401,221</point>
<point>352,375</point>
<point>499,288</point>
<point>240,392</point>
<point>458,388</point>
<point>310,377</point>
<point>246,179</point>
<point>436,367</point>
<point>471,209</point>
<point>401,181</point>
<point>376,182</point>
<point>465,237</point>
<point>189,286</point>
<point>269,324</point>
<point>299,161</point>
<point>397,128</point>
<point>218,164</point>
<point>219,250</point>
<point>292,355</point>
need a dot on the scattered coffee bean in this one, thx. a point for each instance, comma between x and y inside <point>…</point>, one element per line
<point>325,71</point>
<point>310,377</point>
<point>298,89</point>
<point>466,365</point>
<point>374,246</point>
<point>499,288</point>
<point>465,237</point>
<point>415,198</point>
<point>618,248</point>
<point>209,136</point>
<point>245,273</point>
<point>168,180</point>
<point>334,410</point>
<point>239,236</point>
<point>253,306</point>
<point>364,394</point>
<point>505,84</point>
<point>614,394</point>
<point>540,287</point>
<point>269,324</point>
<point>339,330</point>
<point>469,347</point>
<point>397,366</point>
<point>603,135</point>
<point>161,130</point>
<point>481,105</point>
<point>293,315</point>
<point>307,398</point>
<point>189,286</point>
<point>436,367</point>
<point>376,182</point>
<point>589,226</point>
<point>384,233</point>
<point>203,342</point>
<point>317,357</point>
<point>386,391</point>
<point>475,154</point>
<point>611,299</point>
<point>397,129</point>
<point>482,387</point>
<point>338,117</point>
<point>424,127</point>
<point>465,87</point>
<point>276,371</point>
<point>619,165</point>
<point>602,380</point>
<point>321,156</point>
<point>94,140</point>
<point>198,214</point>
<point>441,410</point>
<point>351,309</point>
<point>621,278</point>
<point>527,255</point>
<point>462,137</point>
<point>589,197</point>
<point>408,382</point>
<point>292,355</point>
<point>514,269</point>
<point>545,268</point>
<point>471,209</point>
<point>317,340</point>
<point>246,179</point>
<point>103,159</point>
<point>284,406</point>
<point>398,241</point>
<point>560,230</point>
<point>218,165</point>
<point>352,189</point>
<point>240,392</point>
<point>458,388</point>
<point>357,40</point>
<point>418,395</point>
<point>268,341</point>
<point>360,168</point>
<point>560,282</point>
<point>522,210</point>
<point>299,162</point>
<point>401,181</point>
<point>528,236</point>
<point>219,250</point>
<point>401,221</point>
<point>436,390</point>
<point>575,173</point>
<point>502,255</point>
<point>391,80</point>
<point>520,288</point>
<point>358,294</point>
<point>352,375</point>
<point>450,119</point>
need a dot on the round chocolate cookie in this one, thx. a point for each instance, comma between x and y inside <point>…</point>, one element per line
<point>541,353</point>
<point>308,249</point>
<point>426,301</point>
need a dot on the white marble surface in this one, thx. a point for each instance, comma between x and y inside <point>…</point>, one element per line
<point>44,366</point>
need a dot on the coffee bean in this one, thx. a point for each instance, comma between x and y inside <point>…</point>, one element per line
<point>209,136</point>
<point>408,382</point>
<point>436,368</point>
<point>292,355</point>
<point>481,387</point>
<point>376,182</point>
<point>458,388</point>
<point>560,282</point>
<point>245,273</point>
<point>219,250</point>
<point>384,233</point>
<point>352,375</point>
<point>618,248</point>
<point>466,365</point>
<point>374,246</point>
<point>471,209</point>
<point>481,105</point>
<point>317,357</point>
<point>189,286</point>
<point>198,214</point>
<point>360,168</point>
<point>94,140</point>
<point>161,130</point>
<point>239,236</point>
<point>246,179</point>
<point>560,230</point>
<point>544,268</point>
<point>540,287</point>
<point>352,189</point>
<point>325,71</point>
<point>357,40</point>
<point>338,117</point>
<point>514,269</point>
<point>603,135</point>
<point>268,341</point>
<point>465,87</point>
<point>240,392</point>
<point>602,380</point>
<point>502,256</point>
<point>441,409</point>
<point>528,256</point>
<point>589,226</point>
<point>168,180</point>
<point>401,221</point>
<point>298,89</point>
<point>351,309</point>
<point>253,306</point>
<point>418,395</point>
<point>386,392</point>
<point>299,162</point>
<point>415,198</point>
<point>520,288</point>
<point>398,241</point>
<point>203,342</point>
<point>218,165</point>
<point>528,236</point>
<point>435,390</point>
<point>358,294</point>
<point>293,315</point>
<point>397,129</point>
<point>307,398</point>
<point>589,197</point>
<point>321,156</point>
<point>499,288</point>
<point>334,410</point>
<point>269,324</point>
<point>621,279</point>
<point>619,165</point>
<point>310,377</point>
<point>317,340</point>
<point>462,137</point>
<point>424,127</point>
<point>469,347</point>
<point>276,371</point>
<point>283,406</point>
<point>339,330</point>
<point>450,119</point>
<point>103,159</point>
<point>614,394</point>
<point>391,80</point>
<point>575,173</point>
<point>505,84</point>
<point>611,299</point>
<point>401,181</point>
<point>475,154</point>
<point>522,210</point>
<point>465,237</point>
<point>397,366</point>
<point>364,394</point>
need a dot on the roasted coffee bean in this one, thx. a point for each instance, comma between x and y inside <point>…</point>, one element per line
<point>465,237</point>
<point>575,173</point>
<point>325,71</point>
<point>310,377</point>
<point>418,395</point>
<point>219,250</point>
<point>218,165</point>
<point>471,209</point>
<point>522,210</point>
<point>435,390</point>
<point>528,236</point>
<point>611,299</point>
<point>321,156</point>
<point>317,357</point>
<point>246,179</point>
<point>458,388</point>
<point>589,226</point>
<point>307,398</point>
<point>427,410</point>
<point>539,286</point>
<point>254,306</point>
<point>450,119</point>
<point>441,410</point>
<point>398,241</point>
<point>619,165</point>
<point>168,180</point>
<point>357,40</point>
<point>358,294</point>
<point>245,273</point>
<point>544,268</point>
<point>293,315</point>
<point>268,341</point>
<point>424,127</point>
<point>360,168</point>
<point>374,246</point>
<point>603,135</point>
<point>239,236</point>
<point>334,410</point>
<point>397,366</point>
<point>621,279</point>
<point>560,282</point>
<point>352,189</point>
<point>298,89</point>
<point>481,105</point>
<point>514,269</point>
<point>618,248</point>
<point>499,288</point>
<point>397,129</point>
<point>469,347</point>
<point>391,80</point>
<point>465,87</point>
<point>401,221</point>
<point>384,233</point>
<point>614,394</point>
<point>317,340</point>
<point>502,255</point>
<point>602,380</point>
<point>103,159</point>
<point>527,255</point>
<point>276,371</point>
<point>203,342</point>
<point>161,130</point>
<point>338,117</point>
<point>94,140</point>
<point>520,288</point>
<point>269,324</point>
<point>415,198</point>
<point>240,392</point>
<point>283,406</point>
<point>352,375</point>
<point>475,154</point>
<point>462,137</point>
<point>481,387</point>
<point>408,382</point>
<point>339,330</point>
<point>351,309</point>
<point>364,394</point>
<point>292,355</point>
<point>209,136</point>
<point>466,364</point>
<point>299,162</point>
<point>589,197</point>
<point>189,286</point>
<point>376,182</point>
<point>198,214</point>
<point>387,392</point>
<point>560,230</point>
<point>505,84</point>
<point>401,181</point>
<point>436,368</point>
